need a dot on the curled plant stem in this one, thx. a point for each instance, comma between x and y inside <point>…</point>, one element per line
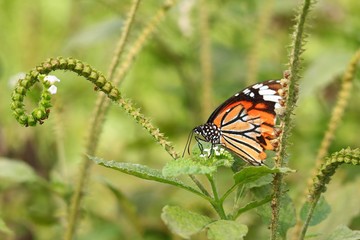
<point>323,177</point>
<point>337,113</point>
<point>205,57</point>
<point>41,113</point>
<point>290,95</point>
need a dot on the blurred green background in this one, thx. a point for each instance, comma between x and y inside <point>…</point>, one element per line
<point>165,82</point>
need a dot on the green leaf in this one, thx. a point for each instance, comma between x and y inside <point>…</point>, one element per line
<point>287,218</point>
<point>144,172</point>
<point>186,166</point>
<point>252,205</point>
<point>321,212</point>
<point>4,229</point>
<point>253,173</point>
<point>262,181</point>
<point>183,222</point>
<point>344,233</point>
<point>226,230</point>
<point>15,171</point>
<point>323,68</point>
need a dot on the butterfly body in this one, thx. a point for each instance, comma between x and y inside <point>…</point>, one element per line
<point>244,124</point>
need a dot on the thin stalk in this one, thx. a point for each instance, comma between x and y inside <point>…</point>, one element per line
<point>227,193</point>
<point>336,116</point>
<point>199,185</point>
<point>123,38</point>
<point>96,124</point>
<point>338,110</point>
<point>323,177</point>
<point>139,43</point>
<point>308,217</point>
<point>290,85</point>
<point>216,203</point>
<point>238,195</point>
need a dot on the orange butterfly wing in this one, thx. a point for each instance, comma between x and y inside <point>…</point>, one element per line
<point>247,120</point>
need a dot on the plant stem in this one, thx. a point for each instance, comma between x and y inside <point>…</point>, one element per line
<point>336,116</point>
<point>323,177</point>
<point>230,190</point>
<point>96,125</point>
<point>308,217</point>
<point>217,203</point>
<point>290,98</point>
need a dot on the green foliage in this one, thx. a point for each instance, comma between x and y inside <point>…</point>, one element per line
<point>321,212</point>
<point>226,230</point>
<point>186,166</point>
<point>186,223</point>
<point>144,172</point>
<point>343,233</point>
<point>13,171</point>
<point>183,222</point>
<point>4,229</point>
<point>287,217</point>
<point>200,163</point>
<point>252,174</point>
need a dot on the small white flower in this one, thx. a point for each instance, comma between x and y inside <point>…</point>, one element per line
<point>52,89</point>
<point>207,150</point>
<point>51,79</point>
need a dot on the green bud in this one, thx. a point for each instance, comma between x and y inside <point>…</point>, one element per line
<point>31,121</point>
<point>23,119</point>
<point>93,76</point>
<point>17,97</point>
<point>86,71</point>
<point>114,94</point>
<point>107,87</point>
<point>100,81</point>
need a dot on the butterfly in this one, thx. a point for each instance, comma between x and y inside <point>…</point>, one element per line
<point>245,123</point>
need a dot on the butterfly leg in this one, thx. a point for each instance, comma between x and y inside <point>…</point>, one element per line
<point>199,144</point>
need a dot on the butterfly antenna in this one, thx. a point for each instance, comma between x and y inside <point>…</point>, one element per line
<point>188,143</point>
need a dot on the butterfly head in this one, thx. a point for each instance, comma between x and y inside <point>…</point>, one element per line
<point>208,132</point>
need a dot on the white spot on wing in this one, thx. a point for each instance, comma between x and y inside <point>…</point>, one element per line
<point>252,94</point>
<point>246,91</point>
<point>264,87</point>
<point>267,92</point>
<point>272,98</point>
<point>258,85</point>
<point>237,94</point>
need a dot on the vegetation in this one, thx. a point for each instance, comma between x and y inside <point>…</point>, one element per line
<point>168,64</point>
